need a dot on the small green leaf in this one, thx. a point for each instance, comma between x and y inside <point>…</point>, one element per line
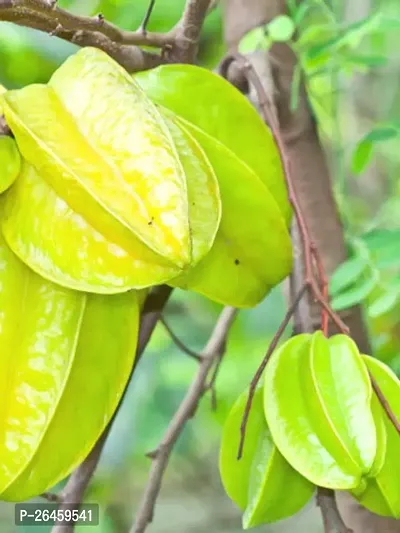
<point>363,153</point>
<point>384,304</point>
<point>281,28</point>
<point>354,295</point>
<point>346,274</point>
<point>255,39</point>
<point>362,156</point>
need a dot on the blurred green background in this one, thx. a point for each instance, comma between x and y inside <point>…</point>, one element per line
<point>348,54</point>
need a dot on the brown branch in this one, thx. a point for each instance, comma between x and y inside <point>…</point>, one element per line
<point>54,15</point>
<point>185,349</point>
<point>181,41</point>
<point>160,457</point>
<point>79,480</point>
<point>333,522</point>
<point>188,29</point>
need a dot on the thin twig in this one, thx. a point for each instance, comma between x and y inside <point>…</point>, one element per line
<point>211,386</point>
<point>143,27</point>
<point>185,411</point>
<point>261,368</point>
<point>79,480</point>
<point>385,404</point>
<point>185,349</point>
<point>333,522</point>
<point>311,252</point>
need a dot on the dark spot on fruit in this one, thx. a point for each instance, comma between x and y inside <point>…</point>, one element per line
<point>237,262</point>
<point>150,222</point>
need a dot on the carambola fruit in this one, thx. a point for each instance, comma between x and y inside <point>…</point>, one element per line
<point>65,360</point>
<point>261,483</point>
<point>382,493</point>
<point>252,251</point>
<point>318,407</point>
<point>120,193</point>
<point>130,200</point>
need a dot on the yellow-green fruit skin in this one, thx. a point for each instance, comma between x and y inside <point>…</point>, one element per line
<point>382,493</point>
<point>65,359</point>
<point>10,162</point>
<point>318,407</point>
<point>110,178</point>
<point>261,483</point>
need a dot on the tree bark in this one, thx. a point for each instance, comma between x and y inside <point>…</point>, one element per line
<point>314,191</point>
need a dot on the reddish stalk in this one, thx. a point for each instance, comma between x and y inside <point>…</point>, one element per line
<point>260,369</point>
<point>316,285</point>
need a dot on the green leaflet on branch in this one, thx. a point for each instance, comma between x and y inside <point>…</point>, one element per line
<point>382,494</point>
<point>66,359</point>
<point>111,179</point>
<point>220,111</point>
<point>261,483</point>
<point>317,404</point>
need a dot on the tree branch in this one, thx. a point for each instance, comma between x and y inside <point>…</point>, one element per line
<point>181,41</point>
<point>333,522</point>
<point>55,16</point>
<point>74,490</point>
<point>188,29</point>
<point>186,410</point>
<point>87,31</point>
<point>176,340</point>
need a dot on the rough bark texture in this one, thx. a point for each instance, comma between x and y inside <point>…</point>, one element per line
<point>313,187</point>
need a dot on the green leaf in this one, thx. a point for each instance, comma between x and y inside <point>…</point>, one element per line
<point>317,403</point>
<point>347,273</point>
<point>281,28</point>
<point>363,153</point>
<point>349,37</point>
<point>362,156</point>
<point>254,40</point>
<point>354,295</point>
<point>62,374</point>
<point>262,483</point>
<point>384,303</point>
<point>215,107</point>
<point>382,495</point>
<point>117,173</point>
